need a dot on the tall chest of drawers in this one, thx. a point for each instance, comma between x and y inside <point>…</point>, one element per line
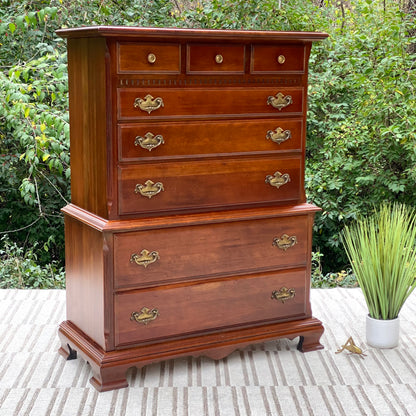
<point>188,233</point>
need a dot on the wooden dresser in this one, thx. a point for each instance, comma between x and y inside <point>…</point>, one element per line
<point>188,231</point>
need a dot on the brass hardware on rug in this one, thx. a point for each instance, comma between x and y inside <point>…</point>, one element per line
<point>281,59</point>
<point>149,189</point>
<point>151,58</point>
<point>279,135</point>
<point>283,294</point>
<point>352,348</point>
<point>285,242</point>
<point>279,101</point>
<point>149,141</point>
<point>145,257</point>
<point>277,179</point>
<point>219,59</point>
<point>149,103</point>
<point>145,315</point>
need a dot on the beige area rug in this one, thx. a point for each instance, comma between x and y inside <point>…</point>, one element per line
<point>262,380</point>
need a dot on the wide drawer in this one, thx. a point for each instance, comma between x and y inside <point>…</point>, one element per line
<point>148,57</point>
<point>208,184</point>
<point>144,258</point>
<point>278,59</point>
<point>150,140</point>
<point>148,103</point>
<point>186,310</point>
<point>217,58</point>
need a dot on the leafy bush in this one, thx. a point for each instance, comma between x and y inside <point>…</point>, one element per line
<point>34,128</point>
<point>34,152</point>
<point>343,278</point>
<point>20,269</point>
<point>362,119</point>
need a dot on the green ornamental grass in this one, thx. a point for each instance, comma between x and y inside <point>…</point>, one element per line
<point>382,252</point>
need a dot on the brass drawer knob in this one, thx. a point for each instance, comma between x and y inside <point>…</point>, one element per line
<point>219,59</point>
<point>281,59</point>
<point>279,135</point>
<point>278,179</point>
<point>279,101</point>
<point>149,103</point>
<point>145,258</point>
<point>149,189</point>
<point>145,315</point>
<point>149,141</point>
<point>283,294</point>
<point>151,58</point>
<point>285,242</point>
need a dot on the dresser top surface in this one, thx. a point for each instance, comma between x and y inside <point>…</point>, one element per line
<point>190,34</point>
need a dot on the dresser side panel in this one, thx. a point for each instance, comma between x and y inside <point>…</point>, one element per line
<point>85,286</point>
<point>304,120</point>
<point>87,107</point>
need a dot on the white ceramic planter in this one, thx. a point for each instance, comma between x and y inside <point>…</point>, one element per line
<point>382,333</point>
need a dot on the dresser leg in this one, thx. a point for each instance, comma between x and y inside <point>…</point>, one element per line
<point>105,379</point>
<point>68,353</point>
<point>310,341</point>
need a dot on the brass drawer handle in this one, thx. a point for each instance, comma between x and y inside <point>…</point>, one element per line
<point>149,141</point>
<point>145,315</point>
<point>145,258</point>
<point>279,135</point>
<point>281,59</point>
<point>283,294</point>
<point>285,242</point>
<point>149,103</point>
<point>278,179</point>
<point>149,188</point>
<point>219,59</point>
<point>279,101</point>
<point>151,58</point>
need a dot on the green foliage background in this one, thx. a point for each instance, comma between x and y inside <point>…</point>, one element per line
<point>361,146</point>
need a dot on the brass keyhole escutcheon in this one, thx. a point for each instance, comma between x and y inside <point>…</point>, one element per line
<point>149,141</point>
<point>279,101</point>
<point>145,315</point>
<point>149,103</point>
<point>151,58</point>
<point>145,258</point>
<point>279,135</point>
<point>149,189</point>
<point>284,294</point>
<point>278,179</point>
<point>285,242</point>
<point>219,59</point>
<point>281,59</point>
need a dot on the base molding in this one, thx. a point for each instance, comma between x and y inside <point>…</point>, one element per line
<point>109,367</point>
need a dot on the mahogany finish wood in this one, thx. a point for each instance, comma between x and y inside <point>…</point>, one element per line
<point>210,306</point>
<point>228,255</point>
<point>208,103</point>
<point>208,184</point>
<point>216,258</point>
<point>195,139</point>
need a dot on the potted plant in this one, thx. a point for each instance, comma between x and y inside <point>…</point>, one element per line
<point>382,252</point>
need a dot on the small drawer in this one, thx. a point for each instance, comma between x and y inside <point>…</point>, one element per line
<point>146,258</point>
<point>277,59</point>
<point>148,58</point>
<point>167,103</point>
<point>207,59</point>
<point>208,184</point>
<point>166,140</point>
<point>185,310</point>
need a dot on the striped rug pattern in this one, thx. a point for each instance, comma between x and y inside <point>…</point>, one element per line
<point>269,379</point>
